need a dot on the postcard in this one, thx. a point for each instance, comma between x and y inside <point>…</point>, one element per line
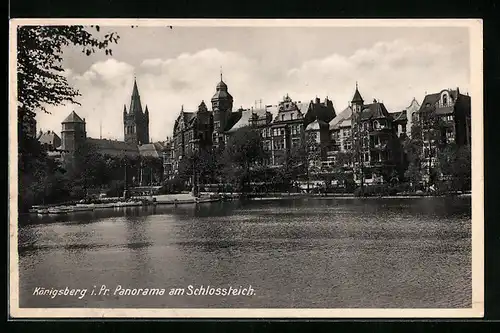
<point>227,168</point>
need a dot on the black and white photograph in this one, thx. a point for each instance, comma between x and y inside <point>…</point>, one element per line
<point>245,168</point>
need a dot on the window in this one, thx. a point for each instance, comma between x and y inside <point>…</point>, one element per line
<point>291,116</point>
<point>283,117</point>
<point>445,100</point>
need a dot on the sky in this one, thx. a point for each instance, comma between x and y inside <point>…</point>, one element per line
<point>182,66</point>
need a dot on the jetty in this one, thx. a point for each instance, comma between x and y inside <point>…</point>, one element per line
<point>106,203</point>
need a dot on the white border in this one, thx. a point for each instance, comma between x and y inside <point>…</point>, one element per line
<point>476,66</point>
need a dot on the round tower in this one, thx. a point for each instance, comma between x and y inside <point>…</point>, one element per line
<point>222,105</point>
<point>73,132</point>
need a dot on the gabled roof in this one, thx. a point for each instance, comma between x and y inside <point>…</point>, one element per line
<point>374,111</point>
<point>233,118</point>
<point>399,116</point>
<point>50,138</point>
<point>154,149</point>
<point>324,111</point>
<point>337,122</point>
<point>114,148</point>
<point>316,125</point>
<point>73,118</point>
<point>430,100</point>
<point>434,98</point>
<point>303,107</point>
<point>243,121</point>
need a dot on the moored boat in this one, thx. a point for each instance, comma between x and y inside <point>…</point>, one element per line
<point>42,211</point>
<point>57,210</point>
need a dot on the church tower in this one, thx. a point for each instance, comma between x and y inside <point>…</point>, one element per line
<point>222,105</point>
<point>73,133</point>
<point>135,121</point>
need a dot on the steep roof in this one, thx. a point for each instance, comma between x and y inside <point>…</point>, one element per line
<point>243,120</point>
<point>135,100</point>
<point>324,111</point>
<point>357,96</point>
<point>338,121</point>
<point>151,149</point>
<point>50,138</point>
<point>304,107</point>
<point>399,116</point>
<point>374,111</point>
<point>114,148</point>
<point>430,101</point>
<point>233,118</point>
<point>73,118</point>
<point>316,125</point>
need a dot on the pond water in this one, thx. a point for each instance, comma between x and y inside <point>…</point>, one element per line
<point>294,253</point>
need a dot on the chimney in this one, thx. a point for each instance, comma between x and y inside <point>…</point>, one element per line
<point>317,100</point>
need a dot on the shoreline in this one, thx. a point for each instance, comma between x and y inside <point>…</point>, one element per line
<point>117,203</point>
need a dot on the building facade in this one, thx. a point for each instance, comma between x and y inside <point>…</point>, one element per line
<point>444,118</point>
<point>364,139</point>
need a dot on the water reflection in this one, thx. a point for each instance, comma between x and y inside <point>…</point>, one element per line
<point>298,253</point>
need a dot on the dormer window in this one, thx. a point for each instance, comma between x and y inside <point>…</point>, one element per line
<point>445,100</point>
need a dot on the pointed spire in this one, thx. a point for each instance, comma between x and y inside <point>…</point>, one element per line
<point>135,91</point>
<point>357,96</point>
<point>221,73</point>
<point>135,100</point>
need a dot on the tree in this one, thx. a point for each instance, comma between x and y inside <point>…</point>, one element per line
<point>39,56</point>
<point>343,161</point>
<point>412,160</point>
<point>40,83</point>
<point>87,169</point>
<point>243,150</point>
<point>454,163</point>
